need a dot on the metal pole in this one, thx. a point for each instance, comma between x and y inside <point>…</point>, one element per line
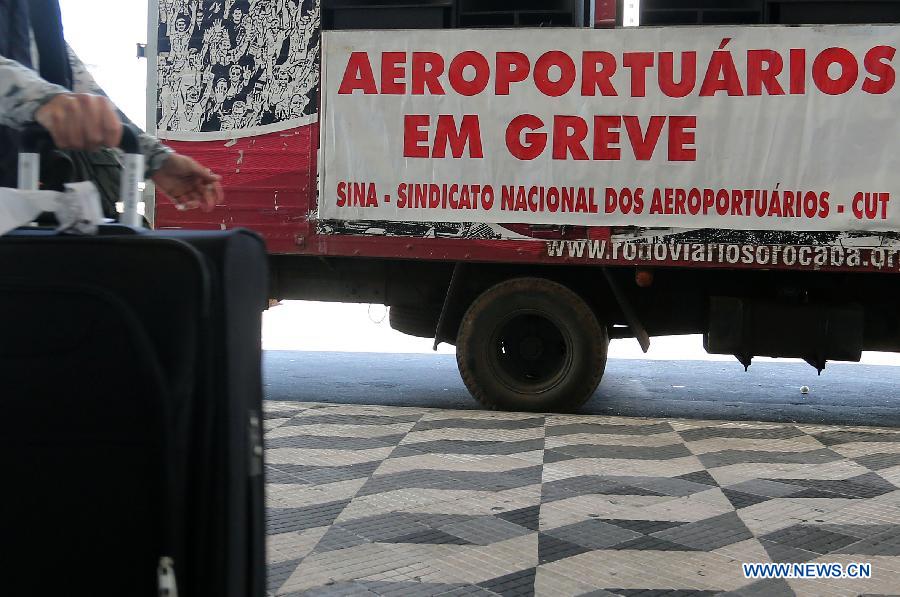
<point>152,96</point>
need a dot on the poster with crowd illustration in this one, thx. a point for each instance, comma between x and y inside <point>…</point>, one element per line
<point>236,68</point>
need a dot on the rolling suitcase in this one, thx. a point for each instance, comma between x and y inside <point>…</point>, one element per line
<point>130,363</point>
<point>228,441</point>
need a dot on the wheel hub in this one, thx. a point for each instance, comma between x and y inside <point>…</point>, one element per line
<point>531,348</point>
<point>531,352</point>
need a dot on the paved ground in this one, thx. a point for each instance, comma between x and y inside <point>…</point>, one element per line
<point>413,501</point>
<point>770,391</point>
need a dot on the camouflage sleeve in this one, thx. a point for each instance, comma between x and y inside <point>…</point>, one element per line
<point>155,153</point>
<point>22,92</point>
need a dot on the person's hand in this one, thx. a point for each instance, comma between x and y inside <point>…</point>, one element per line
<point>80,121</point>
<point>188,184</point>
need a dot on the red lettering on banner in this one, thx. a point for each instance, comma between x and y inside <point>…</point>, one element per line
<point>468,134</point>
<point>605,137</point>
<point>357,194</point>
<point>644,145</point>
<point>775,205</point>
<point>638,62</point>
<point>721,75</point>
<point>871,206</point>
<point>479,82</point>
<point>656,206</point>
<point>789,204</point>
<point>763,66</point>
<point>723,202</point>
<point>612,200</point>
<point>709,200</point>
<point>358,76</point>
<point>680,201</point>
<point>878,64</point>
<point>555,73</point>
<point>596,70</point>
<point>849,71</point>
<point>532,143</point>
<point>810,203</point>
<point>798,71</point>
<point>566,67</point>
<point>414,135</point>
<point>569,133</point>
<point>688,78</point>
<point>393,68</point>
<point>426,68</point>
<point>824,206</point>
<point>737,203</point>
<point>625,200</point>
<point>370,199</point>
<point>682,135</point>
<point>512,67</point>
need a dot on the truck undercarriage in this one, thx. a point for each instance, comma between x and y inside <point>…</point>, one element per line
<point>531,321</point>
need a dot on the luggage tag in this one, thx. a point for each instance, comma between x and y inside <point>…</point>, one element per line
<point>18,208</point>
<point>78,209</point>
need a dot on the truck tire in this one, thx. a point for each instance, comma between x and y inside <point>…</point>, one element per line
<point>530,344</point>
<point>414,321</point>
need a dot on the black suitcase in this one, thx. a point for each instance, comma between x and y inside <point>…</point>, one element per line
<point>130,379</point>
<point>228,439</point>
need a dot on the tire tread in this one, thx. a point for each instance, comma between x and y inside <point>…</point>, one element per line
<point>585,315</point>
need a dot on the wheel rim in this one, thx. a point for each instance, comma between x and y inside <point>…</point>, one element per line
<point>530,352</point>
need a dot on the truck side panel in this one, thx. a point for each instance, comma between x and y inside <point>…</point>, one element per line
<point>270,181</point>
<point>271,177</point>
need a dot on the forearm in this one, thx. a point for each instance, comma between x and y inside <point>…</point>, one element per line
<point>22,92</point>
<point>155,153</point>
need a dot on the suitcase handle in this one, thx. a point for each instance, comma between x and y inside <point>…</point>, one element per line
<point>35,138</point>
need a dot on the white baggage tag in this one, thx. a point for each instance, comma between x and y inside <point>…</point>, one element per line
<point>77,209</point>
<point>18,208</point>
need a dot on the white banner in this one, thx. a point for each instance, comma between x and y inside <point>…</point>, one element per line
<point>747,128</point>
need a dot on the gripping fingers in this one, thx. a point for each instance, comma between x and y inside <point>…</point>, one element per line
<point>71,124</point>
<point>80,121</point>
<point>110,125</point>
<point>66,122</point>
<point>52,116</point>
<point>212,196</point>
<point>91,133</point>
<point>93,121</point>
<point>185,202</point>
<point>101,125</point>
<point>78,127</point>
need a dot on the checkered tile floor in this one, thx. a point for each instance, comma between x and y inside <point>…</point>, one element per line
<point>366,500</point>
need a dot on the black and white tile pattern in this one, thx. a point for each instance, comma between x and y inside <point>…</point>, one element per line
<point>368,500</point>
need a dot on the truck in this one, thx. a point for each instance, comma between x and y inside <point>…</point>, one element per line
<point>529,179</point>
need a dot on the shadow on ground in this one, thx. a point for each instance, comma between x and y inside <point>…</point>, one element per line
<point>847,394</point>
